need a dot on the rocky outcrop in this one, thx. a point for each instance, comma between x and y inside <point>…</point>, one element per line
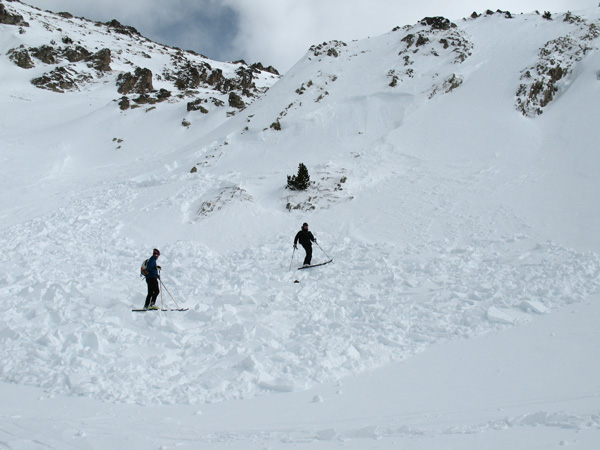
<point>140,82</point>
<point>76,54</point>
<point>235,101</point>
<point>61,79</point>
<point>190,76</point>
<point>556,60</point>
<point>196,105</point>
<point>101,61</point>
<point>438,23</point>
<point>8,18</point>
<point>258,67</point>
<point>116,26</point>
<point>46,54</point>
<point>436,36</point>
<point>20,56</point>
<point>216,79</point>
<point>330,48</point>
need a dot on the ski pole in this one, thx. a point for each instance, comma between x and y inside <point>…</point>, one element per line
<point>292,258</point>
<point>323,250</point>
<point>162,304</point>
<point>165,288</point>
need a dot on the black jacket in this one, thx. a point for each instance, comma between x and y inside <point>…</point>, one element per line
<point>304,237</point>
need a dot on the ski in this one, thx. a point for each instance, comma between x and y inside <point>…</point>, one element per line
<point>146,310</point>
<point>315,265</point>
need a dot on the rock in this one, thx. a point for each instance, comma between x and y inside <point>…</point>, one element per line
<point>196,105</point>
<point>190,76</point>
<point>216,78</point>
<point>245,77</point>
<point>124,103</point>
<point>11,19</point>
<point>76,54</point>
<point>421,40</point>
<point>259,67</point>
<point>328,48</point>
<point>61,80</point>
<point>438,23</point>
<point>46,53</point>
<point>122,29</point>
<point>21,57</point>
<point>101,61</point>
<point>139,83</point>
<point>235,101</point>
<point>163,94</point>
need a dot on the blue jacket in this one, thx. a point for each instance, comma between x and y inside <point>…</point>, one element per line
<point>152,268</point>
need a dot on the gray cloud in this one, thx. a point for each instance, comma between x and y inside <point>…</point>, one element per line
<point>279,32</point>
<point>205,26</point>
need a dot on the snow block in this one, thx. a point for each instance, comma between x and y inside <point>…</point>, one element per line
<point>496,315</point>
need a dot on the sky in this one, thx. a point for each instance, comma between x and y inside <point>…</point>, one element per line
<point>279,32</point>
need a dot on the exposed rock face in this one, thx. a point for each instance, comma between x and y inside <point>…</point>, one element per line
<point>329,48</point>
<point>124,103</point>
<point>76,54</point>
<point>235,101</point>
<point>45,53</point>
<point>122,29</point>
<point>216,78</point>
<point>74,60</point>
<point>191,76</point>
<point>196,105</point>
<point>138,83</point>
<point>556,60</point>
<point>101,61</point>
<point>21,57</point>
<point>245,79</point>
<point>11,19</point>
<point>61,80</point>
<point>438,23</point>
<point>258,67</point>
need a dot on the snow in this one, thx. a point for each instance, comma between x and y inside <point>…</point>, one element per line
<point>460,309</point>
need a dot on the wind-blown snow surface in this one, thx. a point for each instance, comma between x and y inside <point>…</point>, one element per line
<point>449,215</point>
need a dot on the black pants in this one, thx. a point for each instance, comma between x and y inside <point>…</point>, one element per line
<point>153,292</point>
<point>308,250</point>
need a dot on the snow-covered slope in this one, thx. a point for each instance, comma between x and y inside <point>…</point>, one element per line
<point>450,205</point>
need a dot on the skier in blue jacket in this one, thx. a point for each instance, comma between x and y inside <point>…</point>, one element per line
<point>152,281</point>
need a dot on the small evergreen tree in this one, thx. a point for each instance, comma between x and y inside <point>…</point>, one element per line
<point>301,181</point>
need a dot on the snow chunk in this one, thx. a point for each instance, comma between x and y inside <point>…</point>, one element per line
<point>496,315</point>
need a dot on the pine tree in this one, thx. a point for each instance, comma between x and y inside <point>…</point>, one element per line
<point>301,181</point>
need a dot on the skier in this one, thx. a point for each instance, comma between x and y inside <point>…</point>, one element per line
<point>305,238</point>
<point>152,281</point>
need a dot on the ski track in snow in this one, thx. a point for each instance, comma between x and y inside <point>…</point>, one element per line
<point>67,324</point>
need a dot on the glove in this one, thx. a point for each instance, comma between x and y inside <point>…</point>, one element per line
<point>159,268</point>
<point>295,247</point>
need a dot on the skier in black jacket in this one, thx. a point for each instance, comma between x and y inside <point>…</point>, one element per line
<point>306,239</point>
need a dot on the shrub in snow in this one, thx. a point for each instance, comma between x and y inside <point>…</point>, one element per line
<point>301,181</point>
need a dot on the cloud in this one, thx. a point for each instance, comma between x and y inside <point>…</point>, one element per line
<point>206,26</point>
<point>280,32</point>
